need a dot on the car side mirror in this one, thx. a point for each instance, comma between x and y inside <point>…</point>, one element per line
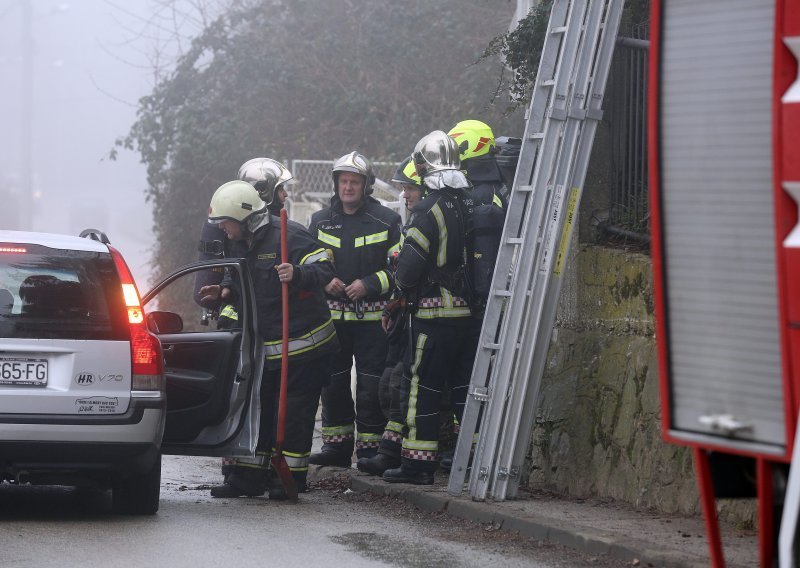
<point>164,322</point>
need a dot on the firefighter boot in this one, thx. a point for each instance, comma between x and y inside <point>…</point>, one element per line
<point>446,459</point>
<point>368,453</point>
<point>339,454</point>
<point>377,464</point>
<point>242,482</point>
<point>400,475</point>
<point>228,466</point>
<point>276,490</point>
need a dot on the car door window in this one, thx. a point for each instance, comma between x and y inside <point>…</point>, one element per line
<point>212,362</point>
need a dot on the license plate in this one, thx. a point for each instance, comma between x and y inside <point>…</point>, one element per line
<point>23,371</point>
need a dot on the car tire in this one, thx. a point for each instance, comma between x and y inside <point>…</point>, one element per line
<point>138,494</point>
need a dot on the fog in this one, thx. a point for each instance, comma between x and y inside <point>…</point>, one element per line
<point>72,74</point>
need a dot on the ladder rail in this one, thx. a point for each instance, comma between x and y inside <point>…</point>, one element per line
<point>531,329</point>
<point>506,361</point>
<point>520,201</point>
<point>589,93</point>
<point>534,222</point>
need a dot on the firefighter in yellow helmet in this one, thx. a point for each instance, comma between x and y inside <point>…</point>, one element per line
<point>477,148</point>
<point>392,386</point>
<point>269,177</point>
<point>254,235</point>
<point>362,233</point>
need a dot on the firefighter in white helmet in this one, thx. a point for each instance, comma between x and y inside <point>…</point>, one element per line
<point>270,179</point>
<point>255,235</point>
<point>362,233</point>
<point>432,273</point>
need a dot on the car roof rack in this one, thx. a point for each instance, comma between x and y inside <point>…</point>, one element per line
<point>95,235</point>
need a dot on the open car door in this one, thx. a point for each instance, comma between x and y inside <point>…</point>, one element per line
<point>212,369</point>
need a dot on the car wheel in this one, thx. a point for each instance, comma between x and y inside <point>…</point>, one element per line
<point>138,494</point>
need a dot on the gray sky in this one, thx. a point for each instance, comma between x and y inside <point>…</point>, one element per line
<point>91,63</point>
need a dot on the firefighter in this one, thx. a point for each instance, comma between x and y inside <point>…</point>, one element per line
<point>392,385</point>
<point>255,235</point>
<point>477,147</point>
<point>362,233</point>
<point>431,273</point>
<point>269,177</point>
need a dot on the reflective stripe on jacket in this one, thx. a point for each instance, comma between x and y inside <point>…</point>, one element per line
<point>308,310</point>
<point>361,244</point>
<point>299,345</point>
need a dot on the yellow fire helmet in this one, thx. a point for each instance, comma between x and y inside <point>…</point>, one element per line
<point>407,174</point>
<point>473,137</point>
<point>236,200</point>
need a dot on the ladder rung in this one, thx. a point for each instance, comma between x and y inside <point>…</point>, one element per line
<point>480,393</point>
<point>492,346</point>
<point>527,188</point>
<point>595,113</point>
<point>502,293</point>
<point>577,113</point>
<point>536,136</point>
<point>547,83</point>
<point>558,30</point>
<point>514,241</point>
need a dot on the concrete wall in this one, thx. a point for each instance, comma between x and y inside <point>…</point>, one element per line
<point>598,429</point>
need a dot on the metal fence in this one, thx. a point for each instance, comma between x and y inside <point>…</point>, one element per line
<point>313,188</point>
<point>627,95</point>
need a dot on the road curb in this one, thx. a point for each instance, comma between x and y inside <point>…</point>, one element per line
<point>597,541</point>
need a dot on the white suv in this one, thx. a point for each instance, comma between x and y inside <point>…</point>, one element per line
<point>93,389</point>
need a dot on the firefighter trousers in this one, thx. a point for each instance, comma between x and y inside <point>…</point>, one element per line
<point>393,393</point>
<point>441,355</point>
<point>305,381</point>
<point>365,342</point>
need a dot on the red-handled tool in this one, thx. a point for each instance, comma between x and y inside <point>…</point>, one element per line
<point>279,463</point>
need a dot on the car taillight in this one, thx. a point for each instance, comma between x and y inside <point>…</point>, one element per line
<point>147,364</point>
<point>147,361</point>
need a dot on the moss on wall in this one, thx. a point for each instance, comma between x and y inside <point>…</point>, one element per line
<point>598,427</point>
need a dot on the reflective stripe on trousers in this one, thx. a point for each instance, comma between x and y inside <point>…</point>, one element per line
<point>302,344</point>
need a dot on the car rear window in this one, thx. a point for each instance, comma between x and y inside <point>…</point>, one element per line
<point>53,293</point>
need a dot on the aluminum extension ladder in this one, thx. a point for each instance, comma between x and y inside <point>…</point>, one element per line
<point>561,123</point>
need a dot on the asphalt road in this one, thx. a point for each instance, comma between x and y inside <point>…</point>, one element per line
<point>330,526</point>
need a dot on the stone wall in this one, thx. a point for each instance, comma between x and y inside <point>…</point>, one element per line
<point>598,428</point>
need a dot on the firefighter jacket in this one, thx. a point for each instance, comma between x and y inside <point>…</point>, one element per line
<point>311,331</point>
<point>431,264</point>
<point>360,244</point>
